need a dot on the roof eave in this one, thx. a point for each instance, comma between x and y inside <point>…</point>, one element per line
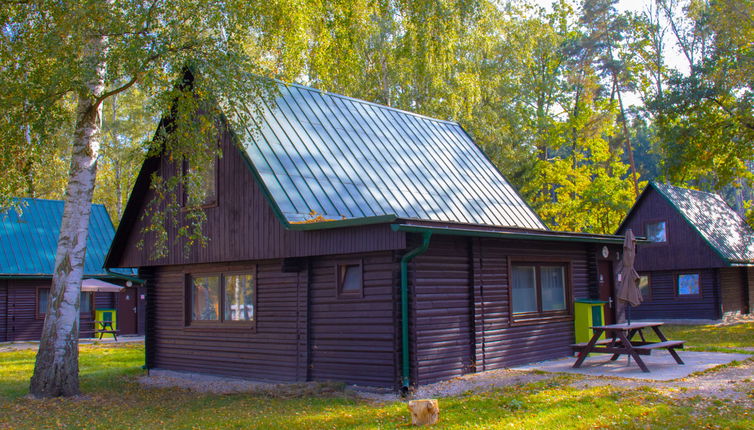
<point>525,235</point>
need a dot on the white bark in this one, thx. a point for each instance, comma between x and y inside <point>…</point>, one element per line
<point>56,369</point>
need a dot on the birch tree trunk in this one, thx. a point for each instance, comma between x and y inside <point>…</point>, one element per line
<point>56,372</point>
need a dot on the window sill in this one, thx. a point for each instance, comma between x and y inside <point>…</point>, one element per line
<point>238,326</point>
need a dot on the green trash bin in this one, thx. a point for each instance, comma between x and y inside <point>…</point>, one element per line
<point>588,313</point>
<point>108,315</point>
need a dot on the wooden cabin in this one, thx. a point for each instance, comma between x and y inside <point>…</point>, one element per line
<point>28,242</point>
<point>699,263</point>
<point>431,267</point>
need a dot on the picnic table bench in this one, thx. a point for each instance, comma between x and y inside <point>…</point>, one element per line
<point>618,342</point>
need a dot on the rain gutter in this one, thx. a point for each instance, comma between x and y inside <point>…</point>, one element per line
<point>562,237</point>
<point>124,277</point>
<point>406,364</point>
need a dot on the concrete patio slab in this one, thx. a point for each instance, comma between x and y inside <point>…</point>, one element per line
<point>661,365</point>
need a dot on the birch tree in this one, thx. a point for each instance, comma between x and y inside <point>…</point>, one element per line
<point>53,53</point>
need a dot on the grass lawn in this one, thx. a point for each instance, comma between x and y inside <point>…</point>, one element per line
<point>113,399</point>
<point>729,338</point>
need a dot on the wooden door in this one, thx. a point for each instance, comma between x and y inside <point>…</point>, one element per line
<point>607,289</point>
<point>126,306</point>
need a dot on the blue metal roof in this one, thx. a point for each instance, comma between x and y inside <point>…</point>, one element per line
<point>343,158</point>
<point>28,241</point>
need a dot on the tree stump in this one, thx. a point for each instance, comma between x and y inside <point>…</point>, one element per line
<point>424,412</point>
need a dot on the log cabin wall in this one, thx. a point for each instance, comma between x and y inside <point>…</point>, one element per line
<point>734,291</point>
<point>240,227</point>
<point>663,303</point>
<point>273,350</point>
<point>442,317</point>
<point>22,321</point>
<point>303,329</point>
<point>3,311</point>
<point>353,337</point>
<point>502,342</point>
<point>461,319</point>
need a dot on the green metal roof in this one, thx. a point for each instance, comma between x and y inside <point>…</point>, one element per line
<point>724,229</point>
<point>28,241</point>
<point>344,159</point>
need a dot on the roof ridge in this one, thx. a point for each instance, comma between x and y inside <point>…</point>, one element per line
<point>366,102</point>
<point>50,200</point>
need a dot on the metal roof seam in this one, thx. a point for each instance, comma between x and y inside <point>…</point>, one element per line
<point>395,134</point>
<point>461,213</point>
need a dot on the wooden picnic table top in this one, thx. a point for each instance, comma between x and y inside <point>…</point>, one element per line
<point>625,326</point>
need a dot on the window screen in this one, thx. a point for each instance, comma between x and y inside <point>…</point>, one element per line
<point>553,288</point>
<point>656,232</point>
<point>349,279</point>
<point>524,289</point>
<point>644,286</point>
<point>239,298</point>
<point>205,293</point>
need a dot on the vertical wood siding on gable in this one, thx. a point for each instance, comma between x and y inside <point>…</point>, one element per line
<point>243,226</point>
<point>664,304</point>
<point>353,339</point>
<point>270,352</point>
<point>685,249</point>
<point>733,290</point>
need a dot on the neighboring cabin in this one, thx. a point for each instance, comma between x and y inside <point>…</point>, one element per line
<point>418,209</point>
<point>700,262</point>
<point>28,242</point>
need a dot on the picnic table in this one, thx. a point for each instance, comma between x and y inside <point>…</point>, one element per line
<point>105,327</point>
<point>619,342</point>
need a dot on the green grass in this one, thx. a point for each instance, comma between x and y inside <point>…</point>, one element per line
<point>114,400</point>
<point>730,338</point>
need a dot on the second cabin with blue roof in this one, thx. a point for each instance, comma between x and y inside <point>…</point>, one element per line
<point>28,243</point>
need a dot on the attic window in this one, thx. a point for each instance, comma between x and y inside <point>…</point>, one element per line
<point>656,232</point>
<point>207,182</point>
<point>349,279</point>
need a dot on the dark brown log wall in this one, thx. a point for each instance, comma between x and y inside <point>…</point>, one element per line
<point>663,303</point>
<point>442,319</point>
<point>685,248</point>
<point>733,291</point>
<point>461,316</point>
<point>3,311</point>
<point>303,329</point>
<point>501,342</point>
<point>353,339</point>
<point>242,226</point>
<point>275,350</point>
<point>21,316</point>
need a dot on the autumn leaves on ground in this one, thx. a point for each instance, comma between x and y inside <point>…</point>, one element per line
<point>113,398</point>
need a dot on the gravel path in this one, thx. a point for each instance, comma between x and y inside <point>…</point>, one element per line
<point>727,382</point>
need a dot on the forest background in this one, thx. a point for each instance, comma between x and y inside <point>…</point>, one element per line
<point>576,103</point>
